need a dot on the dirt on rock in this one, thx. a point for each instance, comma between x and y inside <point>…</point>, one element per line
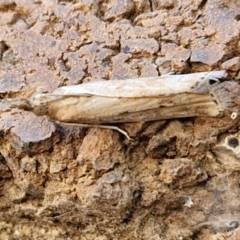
<point>178,180</point>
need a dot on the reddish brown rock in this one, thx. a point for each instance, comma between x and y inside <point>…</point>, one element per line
<point>140,46</point>
<point>28,132</point>
<point>210,54</point>
<point>11,83</point>
<point>83,184</point>
<point>181,173</point>
<point>232,64</point>
<point>113,191</point>
<point>102,153</point>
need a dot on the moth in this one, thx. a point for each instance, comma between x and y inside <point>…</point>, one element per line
<point>108,102</point>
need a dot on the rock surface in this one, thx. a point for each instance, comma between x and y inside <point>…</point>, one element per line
<point>178,179</point>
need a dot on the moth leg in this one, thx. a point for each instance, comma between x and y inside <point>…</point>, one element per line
<point>97,126</point>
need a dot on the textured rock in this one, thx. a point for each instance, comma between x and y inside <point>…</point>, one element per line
<point>232,64</point>
<point>11,83</point>
<point>113,191</point>
<point>210,54</point>
<point>140,46</point>
<point>100,151</point>
<point>178,179</point>
<point>181,172</point>
<point>28,132</point>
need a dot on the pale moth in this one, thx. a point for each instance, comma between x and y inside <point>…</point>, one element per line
<point>103,103</point>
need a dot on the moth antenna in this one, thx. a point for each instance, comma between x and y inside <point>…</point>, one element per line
<point>18,103</point>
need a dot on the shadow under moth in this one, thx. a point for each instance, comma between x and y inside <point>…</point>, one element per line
<point>103,103</point>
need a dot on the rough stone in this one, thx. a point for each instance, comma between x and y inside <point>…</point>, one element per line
<point>232,64</point>
<point>100,153</point>
<point>210,54</point>
<point>140,46</point>
<point>11,83</point>
<point>181,172</point>
<point>83,184</point>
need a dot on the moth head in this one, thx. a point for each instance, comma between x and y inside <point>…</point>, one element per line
<point>38,103</point>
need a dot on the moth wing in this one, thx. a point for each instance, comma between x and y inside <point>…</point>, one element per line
<point>145,87</point>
